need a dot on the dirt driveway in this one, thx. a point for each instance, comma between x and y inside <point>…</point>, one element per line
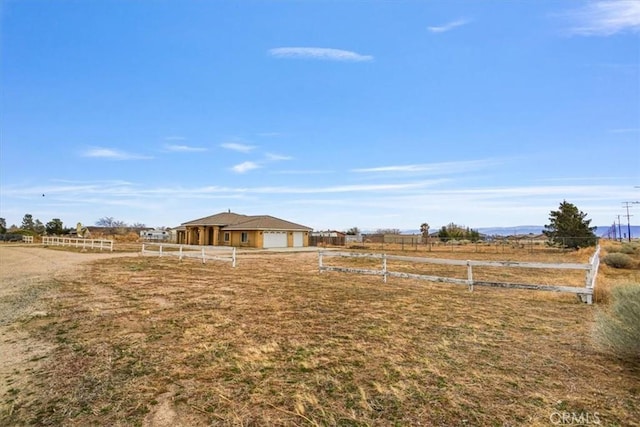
<point>27,277</point>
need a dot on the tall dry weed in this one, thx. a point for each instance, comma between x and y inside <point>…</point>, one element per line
<point>617,329</point>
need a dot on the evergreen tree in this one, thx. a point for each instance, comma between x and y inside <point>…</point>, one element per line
<point>27,222</point>
<point>458,232</point>
<point>39,227</point>
<point>54,227</point>
<point>569,227</point>
<point>443,234</point>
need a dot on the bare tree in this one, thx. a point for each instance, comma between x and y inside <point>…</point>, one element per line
<point>424,229</point>
<point>110,222</point>
<point>388,231</point>
<point>353,231</point>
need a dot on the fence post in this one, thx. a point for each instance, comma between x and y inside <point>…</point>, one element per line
<point>384,267</point>
<point>203,259</point>
<point>590,279</point>
<point>180,253</point>
<point>160,252</point>
<point>233,258</point>
<point>470,275</point>
<point>143,249</point>
<point>320,261</point>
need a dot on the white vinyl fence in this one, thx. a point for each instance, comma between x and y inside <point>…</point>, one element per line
<point>585,293</point>
<point>27,239</point>
<point>204,253</point>
<point>78,243</point>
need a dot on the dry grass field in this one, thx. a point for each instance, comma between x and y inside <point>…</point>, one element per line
<point>157,342</point>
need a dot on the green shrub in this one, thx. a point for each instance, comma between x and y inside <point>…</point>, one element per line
<point>618,260</point>
<point>626,248</point>
<point>618,329</point>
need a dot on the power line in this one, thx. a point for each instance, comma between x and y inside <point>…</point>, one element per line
<point>619,231</point>
<point>626,205</point>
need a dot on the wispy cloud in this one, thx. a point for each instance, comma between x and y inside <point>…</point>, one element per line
<point>112,154</point>
<point>277,157</point>
<point>625,130</point>
<point>448,26</point>
<point>242,148</point>
<point>251,165</point>
<point>430,168</point>
<point>592,179</point>
<point>270,134</point>
<point>303,172</point>
<point>605,18</point>
<point>183,148</point>
<point>320,53</point>
<point>406,203</point>
<point>122,189</point>
<point>356,188</point>
<point>245,167</point>
<point>283,190</point>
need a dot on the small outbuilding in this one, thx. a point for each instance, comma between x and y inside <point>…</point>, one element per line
<point>254,231</point>
<point>155,235</point>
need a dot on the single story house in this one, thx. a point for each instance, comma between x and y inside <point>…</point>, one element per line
<point>254,231</point>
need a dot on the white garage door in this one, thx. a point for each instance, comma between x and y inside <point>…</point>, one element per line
<point>275,239</point>
<point>298,239</point>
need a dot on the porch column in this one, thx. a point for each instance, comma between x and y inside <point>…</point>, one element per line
<point>216,235</point>
<point>206,236</point>
<point>191,236</point>
<point>201,230</point>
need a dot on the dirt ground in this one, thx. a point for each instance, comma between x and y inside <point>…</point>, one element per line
<point>155,342</point>
<point>27,275</point>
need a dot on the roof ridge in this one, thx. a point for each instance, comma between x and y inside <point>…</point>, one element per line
<point>216,214</point>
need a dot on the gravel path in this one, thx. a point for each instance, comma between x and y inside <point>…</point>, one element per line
<point>26,277</point>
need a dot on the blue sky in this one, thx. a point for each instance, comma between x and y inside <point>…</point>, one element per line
<point>328,113</point>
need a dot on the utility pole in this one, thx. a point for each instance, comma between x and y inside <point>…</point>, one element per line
<point>626,205</point>
<point>619,231</point>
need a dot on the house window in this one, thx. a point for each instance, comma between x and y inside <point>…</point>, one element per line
<point>245,237</point>
<point>227,236</point>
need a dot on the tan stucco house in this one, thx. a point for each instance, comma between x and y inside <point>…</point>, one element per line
<point>254,231</point>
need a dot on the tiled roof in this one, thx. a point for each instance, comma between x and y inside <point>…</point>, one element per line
<point>221,219</point>
<point>233,221</point>
<point>266,222</point>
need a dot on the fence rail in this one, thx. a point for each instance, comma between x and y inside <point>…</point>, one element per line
<point>78,243</point>
<point>585,293</point>
<point>204,253</point>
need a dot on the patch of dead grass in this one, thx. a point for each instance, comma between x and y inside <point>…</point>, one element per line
<point>273,342</point>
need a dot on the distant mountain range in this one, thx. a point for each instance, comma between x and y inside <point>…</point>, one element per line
<point>604,231</point>
<point>601,231</point>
